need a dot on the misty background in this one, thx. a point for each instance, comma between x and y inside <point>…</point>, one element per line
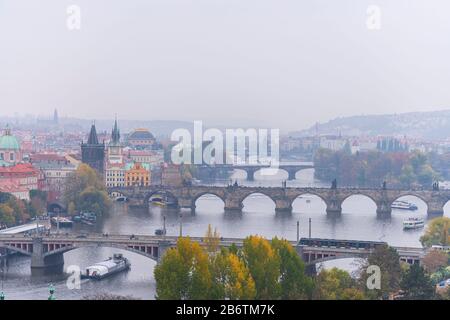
<point>274,63</point>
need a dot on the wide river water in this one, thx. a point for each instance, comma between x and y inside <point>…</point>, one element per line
<point>358,221</point>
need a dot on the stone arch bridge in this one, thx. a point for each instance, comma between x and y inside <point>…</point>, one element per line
<point>233,196</point>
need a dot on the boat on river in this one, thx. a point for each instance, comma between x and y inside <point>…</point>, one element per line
<point>162,200</point>
<point>403,205</point>
<point>115,264</point>
<point>413,223</point>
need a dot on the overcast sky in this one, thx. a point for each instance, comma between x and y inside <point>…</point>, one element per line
<point>277,63</point>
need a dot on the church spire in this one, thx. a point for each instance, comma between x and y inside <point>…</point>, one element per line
<point>115,134</point>
<point>93,139</point>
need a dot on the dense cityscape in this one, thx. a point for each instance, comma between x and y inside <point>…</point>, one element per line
<point>224,158</point>
<point>65,184</point>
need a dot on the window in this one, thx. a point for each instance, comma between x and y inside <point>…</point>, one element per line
<point>11,156</point>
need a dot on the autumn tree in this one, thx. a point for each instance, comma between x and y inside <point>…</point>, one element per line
<point>264,265</point>
<point>183,273</point>
<point>336,284</point>
<point>231,277</point>
<point>437,232</point>
<point>293,281</point>
<point>212,240</point>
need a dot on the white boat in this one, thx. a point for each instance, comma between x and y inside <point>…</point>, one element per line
<point>413,223</point>
<point>108,267</point>
<point>404,205</point>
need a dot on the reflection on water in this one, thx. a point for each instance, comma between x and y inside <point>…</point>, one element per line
<point>358,221</point>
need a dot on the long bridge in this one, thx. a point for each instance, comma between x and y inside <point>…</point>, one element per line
<point>290,167</point>
<point>283,197</point>
<point>47,251</point>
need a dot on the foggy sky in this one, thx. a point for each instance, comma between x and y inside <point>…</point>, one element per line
<point>276,63</point>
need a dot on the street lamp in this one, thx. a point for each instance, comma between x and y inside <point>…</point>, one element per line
<point>51,289</point>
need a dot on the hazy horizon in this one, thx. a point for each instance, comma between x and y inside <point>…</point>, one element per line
<point>285,64</point>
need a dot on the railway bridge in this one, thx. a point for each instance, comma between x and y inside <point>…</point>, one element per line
<point>47,251</point>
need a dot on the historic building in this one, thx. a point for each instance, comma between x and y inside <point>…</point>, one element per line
<point>19,179</point>
<point>93,152</point>
<point>152,157</point>
<point>115,165</point>
<point>141,139</point>
<point>10,152</point>
<point>55,170</point>
<point>137,174</point>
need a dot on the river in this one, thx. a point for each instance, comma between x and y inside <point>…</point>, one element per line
<point>358,221</point>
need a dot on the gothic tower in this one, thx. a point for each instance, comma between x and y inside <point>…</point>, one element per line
<point>115,148</point>
<point>93,152</point>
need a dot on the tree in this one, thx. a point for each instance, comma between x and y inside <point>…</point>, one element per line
<point>212,240</point>
<point>336,284</point>
<point>435,260</point>
<point>264,265</point>
<point>388,260</point>
<point>86,190</point>
<point>294,283</point>
<point>437,233</point>
<point>416,284</point>
<point>231,278</point>
<point>6,215</point>
<point>183,273</point>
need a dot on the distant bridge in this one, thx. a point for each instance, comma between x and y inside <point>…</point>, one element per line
<point>47,251</point>
<point>291,168</point>
<point>233,196</point>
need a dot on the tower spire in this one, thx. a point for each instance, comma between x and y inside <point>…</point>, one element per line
<point>93,139</point>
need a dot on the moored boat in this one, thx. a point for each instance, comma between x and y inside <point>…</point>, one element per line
<point>115,264</point>
<point>62,222</point>
<point>413,223</point>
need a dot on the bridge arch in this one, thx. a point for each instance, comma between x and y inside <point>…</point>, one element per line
<point>141,250</point>
<point>214,195</point>
<point>56,207</point>
<point>349,207</point>
<point>422,201</point>
<point>248,195</point>
<point>298,206</point>
<point>16,249</point>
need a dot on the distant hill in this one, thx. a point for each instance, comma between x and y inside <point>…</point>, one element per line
<point>428,125</point>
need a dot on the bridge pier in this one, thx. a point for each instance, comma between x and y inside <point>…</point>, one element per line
<point>40,263</point>
<point>163,246</point>
<point>250,174</point>
<point>291,174</point>
<point>232,204</point>
<point>435,208</point>
<point>384,208</point>
<point>334,207</point>
<point>283,205</point>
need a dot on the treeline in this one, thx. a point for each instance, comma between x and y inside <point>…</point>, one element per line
<point>371,169</point>
<point>264,269</point>
<point>14,211</point>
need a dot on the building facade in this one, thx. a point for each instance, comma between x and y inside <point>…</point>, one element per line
<point>19,180</point>
<point>137,174</point>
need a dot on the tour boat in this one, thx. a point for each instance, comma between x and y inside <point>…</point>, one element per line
<point>404,205</point>
<point>413,223</point>
<point>89,217</point>
<point>106,268</point>
<point>61,221</point>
